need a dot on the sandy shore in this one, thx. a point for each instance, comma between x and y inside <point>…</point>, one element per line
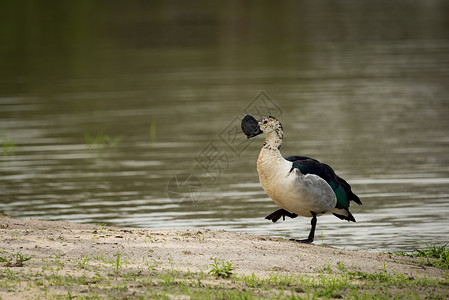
<point>67,259</point>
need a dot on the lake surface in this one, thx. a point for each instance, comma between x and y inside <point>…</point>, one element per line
<point>128,114</point>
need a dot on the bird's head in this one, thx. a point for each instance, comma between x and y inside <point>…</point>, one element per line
<point>269,124</point>
<point>252,127</point>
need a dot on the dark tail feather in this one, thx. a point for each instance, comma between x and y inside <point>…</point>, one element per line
<point>347,188</point>
<point>348,218</point>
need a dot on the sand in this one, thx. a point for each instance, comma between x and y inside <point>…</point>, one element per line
<point>67,246</point>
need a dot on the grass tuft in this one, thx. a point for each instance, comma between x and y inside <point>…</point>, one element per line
<point>8,146</point>
<point>15,260</point>
<point>434,255</point>
<point>101,141</point>
<point>221,270</point>
<point>437,256</point>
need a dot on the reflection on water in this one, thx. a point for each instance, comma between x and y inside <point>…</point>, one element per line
<point>358,86</point>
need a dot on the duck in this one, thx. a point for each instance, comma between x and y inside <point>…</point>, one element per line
<point>299,185</point>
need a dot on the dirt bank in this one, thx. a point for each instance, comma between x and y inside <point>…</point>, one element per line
<point>50,259</point>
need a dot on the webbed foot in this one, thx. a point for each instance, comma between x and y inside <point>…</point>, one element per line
<point>280,213</point>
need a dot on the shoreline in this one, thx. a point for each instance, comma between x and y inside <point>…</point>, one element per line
<point>93,261</point>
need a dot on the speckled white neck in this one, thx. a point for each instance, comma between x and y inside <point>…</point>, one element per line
<point>273,139</point>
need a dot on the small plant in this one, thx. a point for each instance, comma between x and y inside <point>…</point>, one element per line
<point>437,256</point>
<point>153,131</point>
<point>101,141</point>
<point>15,260</point>
<point>117,261</point>
<point>341,266</point>
<point>8,147</point>
<point>325,269</point>
<point>101,224</point>
<point>221,270</point>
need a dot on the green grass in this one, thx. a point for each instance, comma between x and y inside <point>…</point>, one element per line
<point>437,256</point>
<point>109,277</point>
<point>116,274</point>
<point>14,260</point>
<point>8,146</point>
<point>223,270</point>
<point>117,262</point>
<point>153,131</point>
<point>101,141</point>
<point>433,255</point>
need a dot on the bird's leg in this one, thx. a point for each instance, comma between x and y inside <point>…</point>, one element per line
<point>309,240</point>
<point>274,216</point>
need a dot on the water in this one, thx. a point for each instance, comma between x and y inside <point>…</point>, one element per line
<point>360,86</point>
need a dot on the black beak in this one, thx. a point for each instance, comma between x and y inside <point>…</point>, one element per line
<point>250,126</point>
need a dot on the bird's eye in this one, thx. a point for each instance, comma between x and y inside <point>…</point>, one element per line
<point>265,122</point>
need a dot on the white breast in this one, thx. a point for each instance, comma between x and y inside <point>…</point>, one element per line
<point>291,190</point>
